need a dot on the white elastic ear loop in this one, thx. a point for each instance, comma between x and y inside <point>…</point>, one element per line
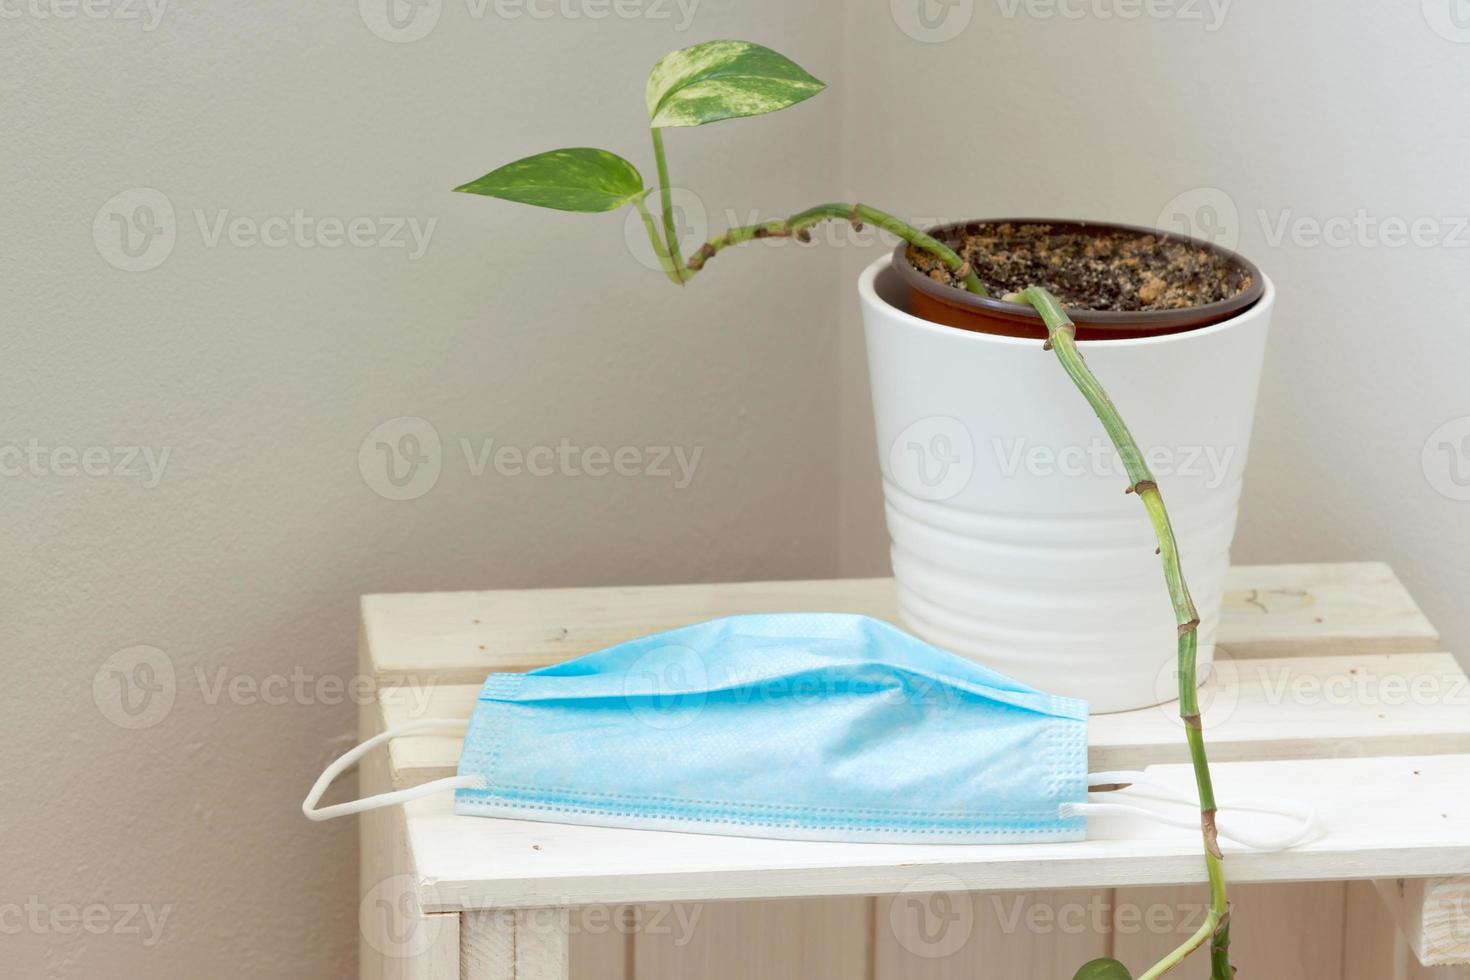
<point>1306,814</point>
<point>350,758</point>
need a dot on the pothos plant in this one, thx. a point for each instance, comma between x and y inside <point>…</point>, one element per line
<point>721,80</point>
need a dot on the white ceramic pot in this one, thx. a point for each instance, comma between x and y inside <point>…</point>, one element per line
<point>1014,542</point>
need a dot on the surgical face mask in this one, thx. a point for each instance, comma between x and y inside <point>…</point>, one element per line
<point>801,726</point>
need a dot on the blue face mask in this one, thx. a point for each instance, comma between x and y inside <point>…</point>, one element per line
<point>803,726</point>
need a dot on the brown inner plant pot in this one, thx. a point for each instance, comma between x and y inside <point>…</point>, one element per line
<point>1125,281</point>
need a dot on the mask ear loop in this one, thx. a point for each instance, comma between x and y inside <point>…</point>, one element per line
<point>1305,814</point>
<point>350,758</point>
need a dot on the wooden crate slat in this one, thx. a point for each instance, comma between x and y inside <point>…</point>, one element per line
<point>1277,931</point>
<point>1383,818</point>
<point>459,637</point>
<point>1433,914</point>
<point>1329,662</point>
<point>946,935</point>
<point>1296,610</point>
<point>1302,707</point>
<point>530,944</point>
<point>779,939</point>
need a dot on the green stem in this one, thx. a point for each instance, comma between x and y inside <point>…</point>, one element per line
<point>798,226</point>
<point>1062,339</point>
<point>1220,968</point>
<point>666,204</point>
<point>659,248</point>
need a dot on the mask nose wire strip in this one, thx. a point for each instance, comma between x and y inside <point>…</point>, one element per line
<point>442,726</point>
<point>1305,814</point>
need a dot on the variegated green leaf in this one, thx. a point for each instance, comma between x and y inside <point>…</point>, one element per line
<point>1103,970</point>
<point>576,179</point>
<point>724,80</point>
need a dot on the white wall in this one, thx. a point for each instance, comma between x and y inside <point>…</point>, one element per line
<point>261,370</point>
<point>1301,111</point>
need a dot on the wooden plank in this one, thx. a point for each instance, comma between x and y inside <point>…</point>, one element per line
<point>1149,922</point>
<point>1277,930</point>
<point>836,938</point>
<point>459,637</point>
<point>528,944</point>
<point>1371,946</point>
<point>1433,914</point>
<point>1288,930</point>
<point>601,946</point>
<point>543,944</point>
<point>397,939</point>
<point>1297,610</point>
<point>488,945</point>
<point>791,939</point>
<point>440,960</point>
<point>1375,949</point>
<point>1303,708</point>
<point>589,942</point>
<point>1382,818</point>
<point>920,934</point>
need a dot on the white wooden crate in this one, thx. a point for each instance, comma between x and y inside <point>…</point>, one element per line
<point>1329,678</point>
